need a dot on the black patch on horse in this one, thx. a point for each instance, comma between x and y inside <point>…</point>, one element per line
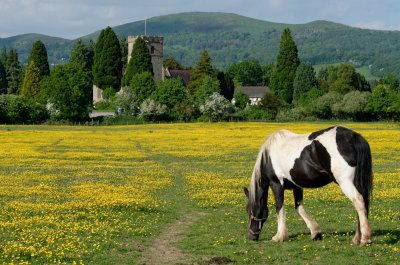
<point>314,135</point>
<point>345,142</point>
<point>313,168</point>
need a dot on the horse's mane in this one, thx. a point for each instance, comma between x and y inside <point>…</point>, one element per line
<point>263,159</point>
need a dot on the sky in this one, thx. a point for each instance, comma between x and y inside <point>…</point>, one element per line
<point>72,19</point>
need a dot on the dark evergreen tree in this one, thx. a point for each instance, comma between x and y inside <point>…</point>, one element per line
<point>140,61</point>
<point>287,62</point>
<point>3,55</point>
<point>14,72</point>
<point>107,64</point>
<point>304,80</point>
<point>123,44</point>
<point>3,79</point>
<point>30,86</point>
<point>203,68</point>
<point>226,85</point>
<point>39,56</point>
<point>82,56</point>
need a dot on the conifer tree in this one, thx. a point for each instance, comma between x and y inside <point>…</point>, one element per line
<point>14,72</point>
<point>140,61</point>
<point>304,80</point>
<point>82,55</point>
<point>123,44</point>
<point>3,55</point>
<point>203,68</point>
<point>107,65</point>
<point>3,79</point>
<point>39,56</point>
<point>286,65</point>
<point>30,86</point>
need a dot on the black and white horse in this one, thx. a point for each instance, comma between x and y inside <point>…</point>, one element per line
<point>296,161</point>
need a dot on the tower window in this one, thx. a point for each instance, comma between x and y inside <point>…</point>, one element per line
<point>152,50</point>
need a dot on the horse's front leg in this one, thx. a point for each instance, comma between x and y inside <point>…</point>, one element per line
<point>282,233</point>
<point>311,224</point>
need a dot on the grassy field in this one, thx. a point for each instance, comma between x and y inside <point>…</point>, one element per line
<point>106,195</point>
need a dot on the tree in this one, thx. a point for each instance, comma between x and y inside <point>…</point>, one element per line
<point>68,90</point>
<point>215,107</point>
<point>14,72</point>
<point>241,100</point>
<point>352,105</point>
<point>172,64</point>
<point>170,92</point>
<point>3,78</point>
<point>285,70</point>
<point>151,111</point>
<point>3,55</point>
<point>143,86</point>
<point>271,103</point>
<point>140,61</point>
<point>226,85</point>
<point>322,106</point>
<point>123,44</point>
<point>207,88</point>
<point>82,56</point>
<point>39,56</point>
<point>203,68</point>
<point>380,102</point>
<point>31,86</point>
<point>304,80</point>
<point>107,64</point>
<point>248,73</point>
<point>267,69</point>
<point>127,100</point>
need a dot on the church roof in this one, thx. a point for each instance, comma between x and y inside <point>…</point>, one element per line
<point>184,74</point>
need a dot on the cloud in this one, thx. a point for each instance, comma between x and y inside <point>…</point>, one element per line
<point>376,24</point>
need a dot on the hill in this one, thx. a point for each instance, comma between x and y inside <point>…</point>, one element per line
<point>231,38</point>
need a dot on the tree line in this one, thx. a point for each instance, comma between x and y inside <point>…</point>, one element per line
<point>34,93</point>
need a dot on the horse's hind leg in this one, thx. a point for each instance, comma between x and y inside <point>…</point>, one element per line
<point>281,234</point>
<point>363,227</point>
<point>311,224</point>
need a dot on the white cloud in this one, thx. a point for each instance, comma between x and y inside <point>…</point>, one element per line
<point>376,24</point>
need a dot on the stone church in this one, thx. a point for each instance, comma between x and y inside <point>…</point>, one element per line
<point>155,45</point>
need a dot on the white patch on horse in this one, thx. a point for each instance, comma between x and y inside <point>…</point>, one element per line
<point>283,153</point>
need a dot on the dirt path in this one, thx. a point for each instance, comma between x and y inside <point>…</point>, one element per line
<point>163,249</point>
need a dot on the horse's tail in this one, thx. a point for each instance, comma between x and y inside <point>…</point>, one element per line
<point>363,172</point>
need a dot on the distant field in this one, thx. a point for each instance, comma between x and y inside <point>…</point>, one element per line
<point>365,71</point>
<point>112,195</point>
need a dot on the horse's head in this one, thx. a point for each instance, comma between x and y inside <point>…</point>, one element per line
<point>258,213</point>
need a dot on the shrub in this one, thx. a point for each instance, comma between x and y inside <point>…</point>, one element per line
<point>271,103</point>
<point>352,106</point>
<point>215,107</point>
<point>127,101</point>
<point>151,111</point>
<point>322,107</point>
<point>241,100</point>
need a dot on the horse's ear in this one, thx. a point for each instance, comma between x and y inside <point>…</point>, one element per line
<point>246,191</point>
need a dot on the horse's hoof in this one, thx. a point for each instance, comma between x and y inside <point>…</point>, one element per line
<point>316,236</point>
<point>355,241</point>
<point>363,243</point>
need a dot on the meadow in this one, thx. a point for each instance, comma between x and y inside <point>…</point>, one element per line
<point>103,194</point>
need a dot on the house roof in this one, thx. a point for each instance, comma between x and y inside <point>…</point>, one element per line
<point>253,91</point>
<point>184,74</point>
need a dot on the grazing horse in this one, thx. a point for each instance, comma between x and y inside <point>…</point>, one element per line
<point>296,161</point>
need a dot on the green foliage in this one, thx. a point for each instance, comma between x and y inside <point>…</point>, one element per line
<point>241,100</point>
<point>215,107</point>
<point>271,103</point>
<point>3,78</point>
<point>143,86</point>
<point>170,92</point>
<point>391,80</point>
<point>267,69</point>
<point>68,90</point>
<point>108,93</point>
<point>123,44</point>
<point>14,72</point>
<point>206,89</point>
<point>140,61</point>
<point>285,70</point>
<point>17,109</point>
<point>344,78</point>
<point>247,73</point>
<point>226,85</point>
<point>172,64</point>
<point>308,98</point>
<point>304,80</point>
<point>107,64</point>
<point>352,106</point>
<point>82,56</point>
<point>3,55</point>
<point>380,102</point>
<point>322,107</point>
<point>39,56</point>
<point>203,68</point>
<point>31,84</point>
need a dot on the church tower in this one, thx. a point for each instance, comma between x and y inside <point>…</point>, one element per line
<point>155,45</point>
